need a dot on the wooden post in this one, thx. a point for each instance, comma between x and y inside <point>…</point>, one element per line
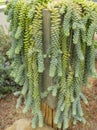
<point>48,106</point>
<point>49,115</point>
<point>47,81</point>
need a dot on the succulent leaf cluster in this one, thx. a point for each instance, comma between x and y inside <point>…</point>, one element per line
<point>71,54</point>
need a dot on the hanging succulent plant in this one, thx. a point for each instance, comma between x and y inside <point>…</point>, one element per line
<point>71,54</point>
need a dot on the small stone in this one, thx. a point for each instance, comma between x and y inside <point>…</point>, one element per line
<point>25,124</point>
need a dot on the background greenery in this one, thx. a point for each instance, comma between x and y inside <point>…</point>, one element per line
<point>2,2</point>
<point>95,0</point>
<point>6,82</point>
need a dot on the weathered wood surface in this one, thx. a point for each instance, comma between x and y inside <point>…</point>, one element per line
<point>49,115</point>
<point>47,81</point>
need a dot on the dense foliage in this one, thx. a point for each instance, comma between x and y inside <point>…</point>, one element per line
<point>71,54</point>
<point>6,82</point>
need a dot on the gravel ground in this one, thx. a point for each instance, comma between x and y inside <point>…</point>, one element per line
<point>9,113</point>
<point>90,111</point>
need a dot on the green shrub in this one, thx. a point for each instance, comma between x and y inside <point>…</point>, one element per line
<point>5,80</point>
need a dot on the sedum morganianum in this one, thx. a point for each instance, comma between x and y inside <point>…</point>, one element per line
<point>71,54</point>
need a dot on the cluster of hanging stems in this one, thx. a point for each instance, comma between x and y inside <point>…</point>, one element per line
<point>71,54</point>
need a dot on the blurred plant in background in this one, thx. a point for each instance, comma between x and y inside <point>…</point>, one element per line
<point>95,0</point>
<point>2,2</point>
<point>6,82</point>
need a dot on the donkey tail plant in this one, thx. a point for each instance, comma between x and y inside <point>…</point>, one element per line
<point>71,54</point>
